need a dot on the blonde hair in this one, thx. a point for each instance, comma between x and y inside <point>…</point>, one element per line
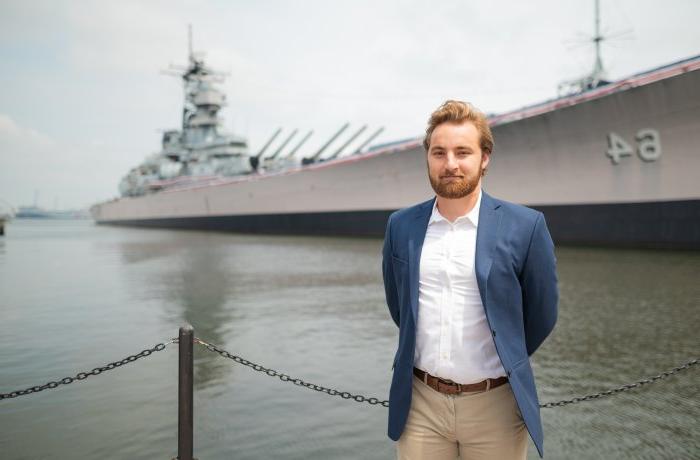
<point>460,112</point>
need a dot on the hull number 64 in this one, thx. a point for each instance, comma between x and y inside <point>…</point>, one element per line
<point>648,146</point>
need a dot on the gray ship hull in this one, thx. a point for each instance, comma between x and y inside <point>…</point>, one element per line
<point>615,166</point>
<point>666,225</point>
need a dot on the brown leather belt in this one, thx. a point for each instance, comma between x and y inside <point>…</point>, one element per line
<point>449,387</point>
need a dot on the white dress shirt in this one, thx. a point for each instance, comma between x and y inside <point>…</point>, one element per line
<point>453,338</point>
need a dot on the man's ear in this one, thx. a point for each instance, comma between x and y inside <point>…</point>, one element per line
<point>485,158</point>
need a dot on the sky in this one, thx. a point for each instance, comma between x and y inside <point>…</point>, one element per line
<point>83,95</point>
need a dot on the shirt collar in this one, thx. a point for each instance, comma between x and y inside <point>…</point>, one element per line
<point>472,216</point>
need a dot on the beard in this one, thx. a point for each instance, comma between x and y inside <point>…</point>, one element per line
<point>465,185</point>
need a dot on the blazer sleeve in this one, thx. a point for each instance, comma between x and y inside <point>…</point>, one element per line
<point>388,274</point>
<point>539,287</point>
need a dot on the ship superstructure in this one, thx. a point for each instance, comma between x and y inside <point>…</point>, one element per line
<point>199,150</point>
<point>200,154</point>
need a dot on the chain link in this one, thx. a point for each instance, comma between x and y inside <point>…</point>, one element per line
<point>286,378</point>
<point>84,375</point>
<point>623,388</point>
<point>329,391</point>
<point>385,403</point>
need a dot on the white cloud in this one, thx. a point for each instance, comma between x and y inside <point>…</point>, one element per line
<point>71,174</point>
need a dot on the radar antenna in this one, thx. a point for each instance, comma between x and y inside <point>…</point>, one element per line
<point>597,77</point>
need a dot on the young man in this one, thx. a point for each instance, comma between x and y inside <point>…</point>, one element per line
<point>471,283</point>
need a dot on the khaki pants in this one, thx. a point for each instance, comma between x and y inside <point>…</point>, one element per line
<point>478,425</point>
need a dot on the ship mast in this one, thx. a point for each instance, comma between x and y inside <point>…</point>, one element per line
<point>597,76</point>
<point>189,43</point>
<point>598,71</point>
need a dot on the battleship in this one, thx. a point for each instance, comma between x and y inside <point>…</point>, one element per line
<point>609,163</point>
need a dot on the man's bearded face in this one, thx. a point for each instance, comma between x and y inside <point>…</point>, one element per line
<point>455,160</point>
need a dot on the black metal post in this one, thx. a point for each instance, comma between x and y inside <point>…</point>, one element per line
<point>185,423</point>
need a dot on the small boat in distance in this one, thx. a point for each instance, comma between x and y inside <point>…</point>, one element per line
<point>35,212</point>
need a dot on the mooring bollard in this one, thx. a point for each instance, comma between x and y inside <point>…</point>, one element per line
<point>185,416</point>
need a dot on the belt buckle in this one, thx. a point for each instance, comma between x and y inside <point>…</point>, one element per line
<point>450,385</point>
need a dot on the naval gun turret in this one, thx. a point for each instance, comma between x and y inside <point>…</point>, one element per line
<point>317,157</point>
<point>314,158</point>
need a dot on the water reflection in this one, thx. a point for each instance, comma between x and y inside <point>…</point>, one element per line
<point>134,252</point>
<point>624,315</point>
<point>196,285</point>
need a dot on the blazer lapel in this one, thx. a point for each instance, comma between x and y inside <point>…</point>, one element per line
<point>416,237</point>
<point>486,238</point>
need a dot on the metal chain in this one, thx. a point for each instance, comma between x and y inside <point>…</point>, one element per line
<point>296,381</point>
<point>622,388</point>
<point>286,378</point>
<point>385,403</point>
<point>84,375</point>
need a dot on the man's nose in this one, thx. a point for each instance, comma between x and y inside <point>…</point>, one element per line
<point>450,161</point>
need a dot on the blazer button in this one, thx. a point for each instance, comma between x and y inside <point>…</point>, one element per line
<point>493,332</point>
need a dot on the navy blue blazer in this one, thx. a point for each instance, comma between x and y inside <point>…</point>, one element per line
<point>516,274</point>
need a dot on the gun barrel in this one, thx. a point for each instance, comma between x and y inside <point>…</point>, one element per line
<point>369,139</point>
<point>298,146</point>
<point>267,144</point>
<point>284,144</point>
<point>348,142</point>
<point>330,141</point>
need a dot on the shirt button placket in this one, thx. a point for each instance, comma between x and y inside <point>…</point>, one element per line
<point>447,306</point>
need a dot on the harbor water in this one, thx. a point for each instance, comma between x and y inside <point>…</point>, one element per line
<point>75,296</point>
